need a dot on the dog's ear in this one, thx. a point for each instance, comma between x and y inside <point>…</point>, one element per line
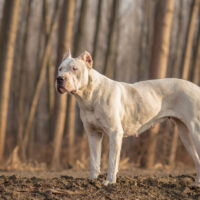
<point>67,55</point>
<point>87,58</point>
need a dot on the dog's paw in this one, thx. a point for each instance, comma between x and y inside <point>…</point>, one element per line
<point>106,182</point>
<point>94,175</point>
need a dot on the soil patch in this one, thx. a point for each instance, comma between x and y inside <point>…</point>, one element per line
<point>152,185</point>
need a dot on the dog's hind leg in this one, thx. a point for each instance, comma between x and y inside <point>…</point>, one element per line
<point>196,136</point>
<point>196,139</point>
<point>189,144</point>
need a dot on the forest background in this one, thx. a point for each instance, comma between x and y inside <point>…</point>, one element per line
<point>129,40</point>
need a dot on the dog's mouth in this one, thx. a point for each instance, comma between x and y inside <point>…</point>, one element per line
<point>61,89</point>
<point>73,92</point>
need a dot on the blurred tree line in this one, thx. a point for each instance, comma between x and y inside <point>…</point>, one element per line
<point>130,40</point>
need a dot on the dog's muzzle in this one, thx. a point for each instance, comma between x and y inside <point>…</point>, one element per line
<point>61,84</point>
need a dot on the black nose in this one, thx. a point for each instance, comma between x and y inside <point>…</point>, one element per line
<point>60,79</point>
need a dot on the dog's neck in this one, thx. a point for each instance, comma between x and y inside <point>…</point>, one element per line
<point>86,95</point>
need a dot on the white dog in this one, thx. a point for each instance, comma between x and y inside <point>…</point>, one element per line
<point>120,109</point>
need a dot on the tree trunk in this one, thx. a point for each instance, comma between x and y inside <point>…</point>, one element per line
<point>176,73</point>
<point>185,74</point>
<point>109,60</point>
<point>96,34</point>
<point>70,129</point>
<point>71,116</point>
<point>196,72</point>
<point>22,76</point>
<point>81,28</point>
<point>39,85</point>
<point>10,17</point>
<point>162,29</point>
<point>116,46</point>
<point>143,48</point>
<point>176,59</point>
<point>172,155</point>
<point>51,68</point>
<point>189,39</point>
<point>65,35</point>
<point>46,18</point>
<point>51,90</point>
<point>158,67</point>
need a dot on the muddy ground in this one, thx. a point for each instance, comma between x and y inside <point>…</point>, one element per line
<point>74,184</point>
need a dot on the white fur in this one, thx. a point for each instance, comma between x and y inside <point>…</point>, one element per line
<point>119,109</point>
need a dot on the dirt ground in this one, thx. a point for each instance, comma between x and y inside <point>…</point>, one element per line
<point>74,184</point>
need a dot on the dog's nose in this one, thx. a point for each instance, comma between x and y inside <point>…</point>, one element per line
<point>60,79</point>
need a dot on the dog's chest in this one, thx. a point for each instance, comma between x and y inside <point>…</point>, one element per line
<point>93,120</point>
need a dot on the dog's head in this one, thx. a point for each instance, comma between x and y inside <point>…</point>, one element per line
<point>73,73</point>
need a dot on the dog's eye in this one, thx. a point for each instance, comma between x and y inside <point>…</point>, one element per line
<point>74,68</point>
<point>60,69</point>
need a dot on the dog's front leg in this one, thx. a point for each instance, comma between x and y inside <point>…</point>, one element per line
<point>115,142</point>
<point>95,141</point>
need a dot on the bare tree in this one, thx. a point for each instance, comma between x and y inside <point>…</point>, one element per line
<point>172,155</point>
<point>186,67</point>
<point>162,29</point>
<point>66,24</point>
<point>158,66</point>
<point>96,34</point>
<point>71,107</point>
<point>175,72</point>
<point>39,84</point>
<point>51,68</point>
<point>196,73</point>
<point>9,27</point>
<point>109,59</point>
<point>144,41</point>
<point>189,39</point>
<point>22,74</point>
<point>81,28</point>
<point>175,66</point>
